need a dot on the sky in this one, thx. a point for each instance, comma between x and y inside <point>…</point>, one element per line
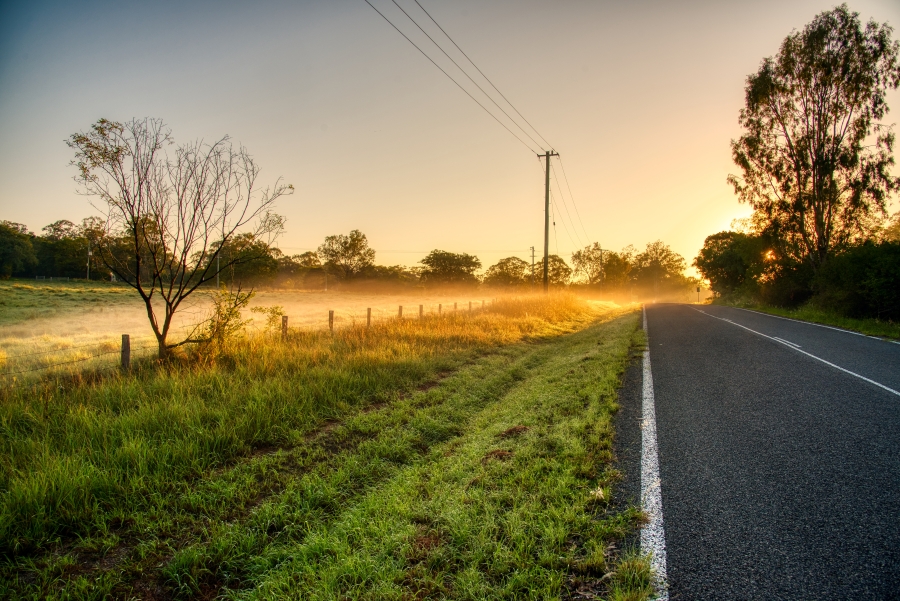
<point>641,100</point>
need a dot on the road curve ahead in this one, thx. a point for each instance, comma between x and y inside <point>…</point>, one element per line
<point>779,454</point>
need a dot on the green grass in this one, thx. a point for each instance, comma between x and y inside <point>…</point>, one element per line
<point>466,457</point>
<point>24,300</point>
<point>868,326</point>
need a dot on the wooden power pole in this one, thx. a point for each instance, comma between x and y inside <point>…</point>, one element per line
<point>547,156</point>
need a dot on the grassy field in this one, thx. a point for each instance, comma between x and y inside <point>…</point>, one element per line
<point>57,328</point>
<point>464,457</point>
<point>870,327</point>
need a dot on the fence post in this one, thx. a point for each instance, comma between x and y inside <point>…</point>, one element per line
<point>284,327</point>
<point>369,317</point>
<point>400,312</point>
<point>470,306</point>
<point>421,311</point>
<point>439,308</point>
<point>126,351</point>
<point>331,321</point>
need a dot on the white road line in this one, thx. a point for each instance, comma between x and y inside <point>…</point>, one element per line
<point>779,341</point>
<point>653,536</point>
<point>794,344</point>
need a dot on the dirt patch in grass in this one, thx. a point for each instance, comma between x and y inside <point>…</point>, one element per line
<point>513,432</point>
<point>498,454</point>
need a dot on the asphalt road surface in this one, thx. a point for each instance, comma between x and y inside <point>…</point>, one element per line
<point>780,473</point>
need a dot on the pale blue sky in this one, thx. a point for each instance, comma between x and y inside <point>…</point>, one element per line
<point>641,99</point>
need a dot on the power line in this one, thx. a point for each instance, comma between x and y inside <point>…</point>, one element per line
<point>466,74</point>
<point>566,207</point>
<point>451,78</point>
<point>563,167</point>
<point>484,76</point>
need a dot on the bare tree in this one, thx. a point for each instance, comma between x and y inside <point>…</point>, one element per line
<point>168,216</point>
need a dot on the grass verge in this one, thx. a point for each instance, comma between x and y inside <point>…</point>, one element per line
<point>867,326</point>
<point>490,482</point>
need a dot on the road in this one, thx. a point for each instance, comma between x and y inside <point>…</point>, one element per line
<point>779,460</point>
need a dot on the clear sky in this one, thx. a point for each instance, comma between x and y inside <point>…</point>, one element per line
<point>640,98</point>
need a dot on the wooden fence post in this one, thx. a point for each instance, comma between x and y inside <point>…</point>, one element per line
<point>331,321</point>
<point>421,311</point>
<point>400,312</point>
<point>126,351</point>
<point>284,327</point>
<point>470,306</point>
<point>439,308</point>
<point>369,317</point>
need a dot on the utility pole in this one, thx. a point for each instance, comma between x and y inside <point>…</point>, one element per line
<point>547,156</point>
<point>532,269</point>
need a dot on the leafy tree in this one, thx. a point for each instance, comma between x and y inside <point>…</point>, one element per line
<point>891,232</point>
<point>62,250</point>
<point>442,267</point>
<point>588,263</point>
<point>163,212</point>
<point>347,256</point>
<point>617,267</point>
<point>511,271</point>
<point>730,260</point>
<point>308,259</point>
<point>251,259</point>
<point>558,271</point>
<point>16,250</point>
<point>658,267</point>
<point>814,158</point>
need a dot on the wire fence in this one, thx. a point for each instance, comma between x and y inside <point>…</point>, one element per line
<point>27,369</point>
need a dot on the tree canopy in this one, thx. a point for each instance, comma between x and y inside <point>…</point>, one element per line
<point>16,250</point>
<point>442,267</point>
<point>347,256</point>
<point>511,271</point>
<point>814,157</point>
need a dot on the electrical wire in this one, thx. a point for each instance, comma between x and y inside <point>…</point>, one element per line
<point>466,74</point>
<point>566,207</point>
<point>483,75</point>
<point>450,77</point>
<point>563,167</point>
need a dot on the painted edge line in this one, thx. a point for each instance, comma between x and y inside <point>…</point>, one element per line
<point>653,535</point>
<point>818,325</point>
<point>783,343</point>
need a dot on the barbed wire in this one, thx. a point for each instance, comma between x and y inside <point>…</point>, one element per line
<point>83,359</point>
<point>59,350</point>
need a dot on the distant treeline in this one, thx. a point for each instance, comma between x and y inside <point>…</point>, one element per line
<point>64,250</point>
